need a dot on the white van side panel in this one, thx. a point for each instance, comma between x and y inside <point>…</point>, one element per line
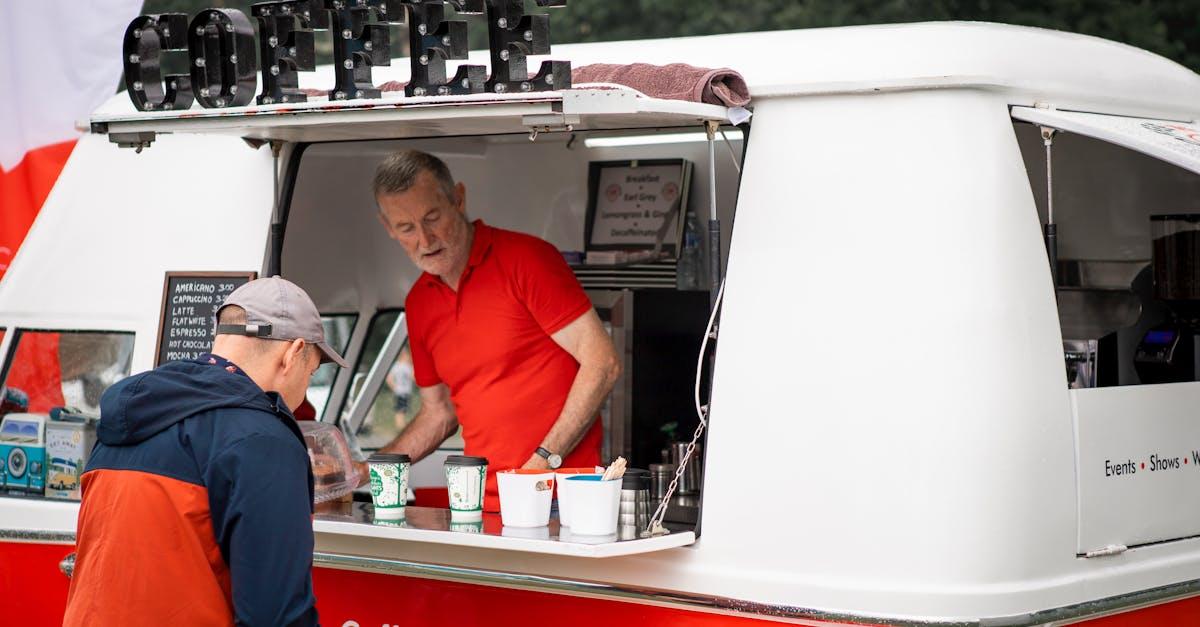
<point>914,350</point>
<point>116,221</point>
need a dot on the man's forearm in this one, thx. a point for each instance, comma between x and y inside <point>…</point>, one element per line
<point>591,385</point>
<point>421,437</point>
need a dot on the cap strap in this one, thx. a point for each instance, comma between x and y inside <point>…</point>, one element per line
<point>253,330</point>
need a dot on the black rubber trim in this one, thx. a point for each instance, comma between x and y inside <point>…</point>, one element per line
<point>287,189</point>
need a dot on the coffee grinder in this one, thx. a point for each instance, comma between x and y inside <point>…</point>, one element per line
<point>1167,352</point>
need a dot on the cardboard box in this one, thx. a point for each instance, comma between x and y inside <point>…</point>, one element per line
<point>68,445</point>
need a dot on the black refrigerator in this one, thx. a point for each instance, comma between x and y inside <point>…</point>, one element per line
<point>657,332</point>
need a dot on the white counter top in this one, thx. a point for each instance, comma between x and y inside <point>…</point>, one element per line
<point>424,524</point>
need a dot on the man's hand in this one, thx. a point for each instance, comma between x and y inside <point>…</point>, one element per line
<point>364,474</point>
<point>536,462</point>
<point>429,428</point>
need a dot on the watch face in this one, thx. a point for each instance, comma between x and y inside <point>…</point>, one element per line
<point>554,460</point>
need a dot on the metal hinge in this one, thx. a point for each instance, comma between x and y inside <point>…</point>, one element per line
<point>137,141</point>
<point>549,123</point>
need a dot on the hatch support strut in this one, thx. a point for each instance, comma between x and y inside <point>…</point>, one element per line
<point>1050,230</point>
<point>275,253</point>
<point>711,127</point>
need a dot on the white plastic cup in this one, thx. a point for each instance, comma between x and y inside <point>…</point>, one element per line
<point>529,533</point>
<point>565,491</point>
<point>594,505</point>
<point>525,496</point>
<point>465,480</point>
<point>389,484</point>
<point>564,535</point>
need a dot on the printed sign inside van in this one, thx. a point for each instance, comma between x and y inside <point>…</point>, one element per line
<point>223,64</point>
<point>639,205</point>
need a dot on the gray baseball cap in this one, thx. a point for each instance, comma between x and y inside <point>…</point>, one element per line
<point>277,309</point>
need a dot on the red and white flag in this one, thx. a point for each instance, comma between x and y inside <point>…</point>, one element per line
<point>59,60</point>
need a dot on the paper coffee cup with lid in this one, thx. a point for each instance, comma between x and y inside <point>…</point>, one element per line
<point>389,483</point>
<point>465,479</point>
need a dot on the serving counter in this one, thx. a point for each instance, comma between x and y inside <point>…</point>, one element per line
<point>433,525</point>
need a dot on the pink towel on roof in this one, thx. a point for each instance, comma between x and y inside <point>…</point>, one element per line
<point>677,81</point>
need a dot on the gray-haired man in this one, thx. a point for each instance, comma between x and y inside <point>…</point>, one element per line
<point>504,341</point>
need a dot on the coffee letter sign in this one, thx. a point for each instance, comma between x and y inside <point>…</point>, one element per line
<point>220,45</point>
<point>514,35</point>
<point>224,71</point>
<point>146,38</point>
<point>286,48</point>
<point>432,40</point>
<point>359,44</point>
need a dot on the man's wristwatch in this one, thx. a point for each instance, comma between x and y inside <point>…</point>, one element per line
<point>553,459</point>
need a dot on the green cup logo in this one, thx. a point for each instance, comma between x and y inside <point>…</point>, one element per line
<point>376,483</point>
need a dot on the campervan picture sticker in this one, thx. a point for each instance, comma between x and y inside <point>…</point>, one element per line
<point>224,60</point>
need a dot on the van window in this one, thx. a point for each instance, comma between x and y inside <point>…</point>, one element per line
<point>397,401</point>
<point>1109,201</point>
<point>338,328</point>
<point>67,368</point>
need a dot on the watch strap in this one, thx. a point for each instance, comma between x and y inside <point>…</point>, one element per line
<point>552,459</point>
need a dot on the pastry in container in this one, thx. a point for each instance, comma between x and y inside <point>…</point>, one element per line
<point>334,476</point>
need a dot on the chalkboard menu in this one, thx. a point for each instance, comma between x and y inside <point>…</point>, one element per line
<point>190,300</point>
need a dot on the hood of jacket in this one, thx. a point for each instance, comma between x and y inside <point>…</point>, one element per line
<point>140,406</point>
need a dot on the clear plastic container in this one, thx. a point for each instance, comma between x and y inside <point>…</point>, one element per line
<point>333,469</point>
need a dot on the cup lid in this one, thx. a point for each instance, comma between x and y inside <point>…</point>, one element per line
<point>635,481</point>
<point>389,458</point>
<point>466,460</point>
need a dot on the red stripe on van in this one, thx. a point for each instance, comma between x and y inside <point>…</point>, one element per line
<point>22,192</point>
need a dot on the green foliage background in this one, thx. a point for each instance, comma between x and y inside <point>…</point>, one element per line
<point>1167,27</point>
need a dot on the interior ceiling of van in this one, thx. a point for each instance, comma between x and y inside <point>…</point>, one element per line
<point>337,249</point>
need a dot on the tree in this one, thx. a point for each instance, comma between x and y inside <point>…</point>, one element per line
<point>1167,27</point>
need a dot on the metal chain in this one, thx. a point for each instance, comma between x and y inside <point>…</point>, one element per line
<point>655,527</point>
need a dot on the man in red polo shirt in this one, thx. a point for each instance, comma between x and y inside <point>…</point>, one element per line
<point>504,341</point>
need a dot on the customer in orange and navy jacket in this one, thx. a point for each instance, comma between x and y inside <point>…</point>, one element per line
<point>197,500</point>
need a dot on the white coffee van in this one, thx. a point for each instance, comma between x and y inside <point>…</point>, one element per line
<point>915,418</point>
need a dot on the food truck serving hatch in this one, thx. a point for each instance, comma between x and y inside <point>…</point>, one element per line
<point>1172,141</point>
<point>396,116</point>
